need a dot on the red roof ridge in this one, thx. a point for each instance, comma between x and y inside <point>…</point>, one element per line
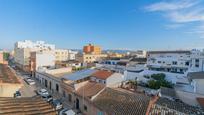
<point>102,74</point>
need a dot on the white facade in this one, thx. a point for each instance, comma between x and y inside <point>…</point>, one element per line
<point>198,85</point>
<point>52,83</point>
<point>113,80</point>
<point>23,49</point>
<point>181,62</point>
<point>33,45</point>
<point>112,65</point>
<point>22,56</point>
<point>72,55</point>
<point>174,64</point>
<point>43,59</point>
<point>169,61</point>
<point>138,53</point>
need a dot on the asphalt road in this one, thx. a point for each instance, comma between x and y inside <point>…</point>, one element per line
<point>26,90</point>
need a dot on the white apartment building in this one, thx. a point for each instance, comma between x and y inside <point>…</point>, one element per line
<point>181,62</point>
<point>72,54</point>
<point>42,59</point>
<point>197,81</point>
<point>23,49</point>
<point>174,64</point>
<point>169,61</point>
<point>34,45</point>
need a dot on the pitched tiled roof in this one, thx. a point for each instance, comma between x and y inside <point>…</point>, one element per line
<point>119,102</point>
<point>90,89</point>
<point>169,107</point>
<point>102,74</point>
<point>7,76</point>
<point>25,106</point>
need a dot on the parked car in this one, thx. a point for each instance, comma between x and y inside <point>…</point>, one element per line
<point>42,92</point>
<point>17,94</point>
<point>47,98</point>
<point>29,81</point>
<point>67,111</point>
<point>57,104</point>
<point>26,77</point>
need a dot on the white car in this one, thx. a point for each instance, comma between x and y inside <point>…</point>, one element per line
<point>42,92</point>
<point>66,111</point>
<point>57,104</point>
<point>30,81</point>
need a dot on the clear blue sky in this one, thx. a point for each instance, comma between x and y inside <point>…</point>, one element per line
<point>112,24</point>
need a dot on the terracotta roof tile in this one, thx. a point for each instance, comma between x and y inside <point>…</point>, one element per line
<point>25,106</point>
<point>90,89</point>
<point>102,74</point>
<point>167,106</point>
<point>119,102</point>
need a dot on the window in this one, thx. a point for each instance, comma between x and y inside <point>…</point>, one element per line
<point>197,60</point>
<point>168,69</point>
<point>181,70</point>
<point>45,83</point>
<point>70,98</point>
<point>85,108</point>
<point>57,87</point>
<point>187,63</point>
<point>159,61</point>
<point>196,65</point>
<point>50,85</point>
<point>174,62</point>
<point>64,94</point>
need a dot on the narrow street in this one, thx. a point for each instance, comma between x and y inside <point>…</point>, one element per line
<point>26,90</point>
<point>29,90</point>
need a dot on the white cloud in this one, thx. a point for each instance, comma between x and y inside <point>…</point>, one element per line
<point>168,6</point>
<point>181,12</point>
<point>173,26</point>
<point>186,16</point>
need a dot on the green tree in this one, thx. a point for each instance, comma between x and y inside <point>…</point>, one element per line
<point>6,56</point>
<point>159,76</point>
<point>133,83</point>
